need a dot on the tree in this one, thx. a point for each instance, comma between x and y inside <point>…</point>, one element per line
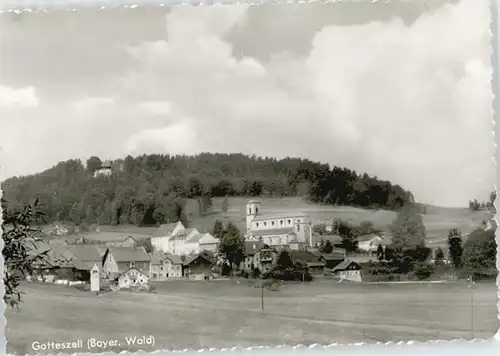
<point>328,248</point>
<point>94,163</point>
<point>21,254</point>
<point>408,228</point>
<point>218,230</point>
<point>232,245</point>
<point>346,234</point>
<point>455,247</point>
<point>479,254</point>
<point>380,253</point>
<point>493,197</point>
<point>439,257</point>
<point>284,260</point>
<point>225,204</point>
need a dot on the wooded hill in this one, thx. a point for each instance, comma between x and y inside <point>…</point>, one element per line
<point>152,189</point>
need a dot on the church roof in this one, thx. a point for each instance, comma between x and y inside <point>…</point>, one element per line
<point>279,216</point>
<point>272,232</point>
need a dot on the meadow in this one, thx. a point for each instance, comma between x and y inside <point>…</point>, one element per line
<point>438,220</point>
<point>226,313</point>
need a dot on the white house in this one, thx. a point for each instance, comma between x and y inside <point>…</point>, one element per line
<point>371,243</point>
<point>165,266</point>
<point>131,278</point>
<point>277,229</point>
<point>180,244</point>
<point>207,242</point>
<point>348,270</point>
<point>105,170</point>
<point>162,235</point>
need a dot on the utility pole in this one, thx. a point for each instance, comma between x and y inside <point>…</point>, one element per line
<point>262,293</point>
<point>471,287</point>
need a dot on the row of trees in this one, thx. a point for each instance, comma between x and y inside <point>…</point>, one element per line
<point>152,189</point>
<point>475,205</point>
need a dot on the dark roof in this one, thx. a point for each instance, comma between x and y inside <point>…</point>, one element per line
<point>176,260</point>
<point>332,256</point>
<point>55,255</point>
<point>251,247</point>
<point>342,266</point>
<point>129,254</point>
<point>304,256</point>
<point>181,235</point>
<point>164,230</point>
<point>315,264</point>
<point>85,253</point>
<point>269,232</point>
<point>191,258</point>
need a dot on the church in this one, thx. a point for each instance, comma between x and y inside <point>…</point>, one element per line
<point>277,229</point>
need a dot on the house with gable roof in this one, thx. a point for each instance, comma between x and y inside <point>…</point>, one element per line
<point>182,244</point>
<point>165,267</point>
<point>198,267</point>
<point>162,235</point>
<point>119,259</point>
<point>258,255</point>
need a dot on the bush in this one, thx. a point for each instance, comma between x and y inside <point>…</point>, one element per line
<point>423,270</point>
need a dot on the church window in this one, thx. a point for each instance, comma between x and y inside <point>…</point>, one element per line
<point>265,223</point>
<point>281,222</point>
<point>256,210</point>
<point>272,223</point>
<point>257,224</point>
<point>289,221</point>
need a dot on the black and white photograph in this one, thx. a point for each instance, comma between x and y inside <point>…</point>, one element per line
<point>205,177</point>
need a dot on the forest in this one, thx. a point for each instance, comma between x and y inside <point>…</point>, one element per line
<point>152,189</point>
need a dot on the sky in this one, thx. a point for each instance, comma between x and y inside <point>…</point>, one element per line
<point>398,90</point>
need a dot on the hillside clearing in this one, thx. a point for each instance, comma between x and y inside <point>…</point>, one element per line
<point>438,221</point>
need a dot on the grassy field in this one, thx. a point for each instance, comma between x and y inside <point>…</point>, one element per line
<point>226,313</point>
<point>438,221</point>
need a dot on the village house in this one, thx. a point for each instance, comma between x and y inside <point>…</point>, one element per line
<point>119,259</point>
<point>57,263</point>
<point>370,243</point>
<point>335,240</point>
<point>258,255</point>
<point>334,258</point>
<point>207,242</point>
<point>198,267</point>
<point>162,235</point>
<point>348,270</point>
<point>105,170</point>
<point>129,241</point>
<point>165,267</point>
<point>310,259</point>
<point>132,277</point>
<point>180,244</point>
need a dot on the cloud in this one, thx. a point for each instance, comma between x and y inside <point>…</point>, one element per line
<point>408,103</point>
<point>18,98</point>
<point>87,107</point>
<point>404,103</point>
<point>176,139</point>
<point>155,107</point>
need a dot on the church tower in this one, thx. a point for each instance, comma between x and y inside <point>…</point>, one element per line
<point>252,210</point>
